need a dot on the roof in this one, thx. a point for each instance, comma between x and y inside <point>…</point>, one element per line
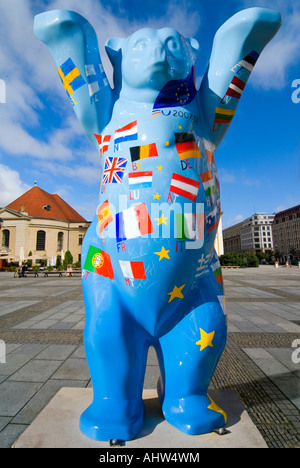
<point>40,204</point>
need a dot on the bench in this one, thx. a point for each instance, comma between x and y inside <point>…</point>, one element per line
<point>51,272</point>
<point>73,273</point>
<point>19,274</point>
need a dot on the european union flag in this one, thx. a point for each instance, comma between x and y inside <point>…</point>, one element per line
<point>177,92</point>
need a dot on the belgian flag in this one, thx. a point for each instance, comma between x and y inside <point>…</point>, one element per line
<point>143,151</point>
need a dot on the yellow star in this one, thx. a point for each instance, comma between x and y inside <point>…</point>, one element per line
<point>161,220</point>
<point>163,254</point>
<point>214,407</point>
<point>176,293</point>
<point>156,196</point>
<point>205,339</point>
<point>159,168</point>
<point>167,143</point>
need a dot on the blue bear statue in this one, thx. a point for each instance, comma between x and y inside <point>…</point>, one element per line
<point>151,276</point>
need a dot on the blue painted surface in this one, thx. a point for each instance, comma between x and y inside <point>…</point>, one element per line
<point>150,272</point>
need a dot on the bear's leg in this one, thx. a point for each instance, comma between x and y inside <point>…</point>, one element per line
<point>190,353</point>
<point>116,350</point>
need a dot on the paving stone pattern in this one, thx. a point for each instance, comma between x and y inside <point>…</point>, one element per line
<point>42,321</point>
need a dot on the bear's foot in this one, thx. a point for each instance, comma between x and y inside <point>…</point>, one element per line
<point>110,419</point>
<point>194,414</point>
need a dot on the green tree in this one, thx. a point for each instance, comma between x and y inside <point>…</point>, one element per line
<point>68,260</point>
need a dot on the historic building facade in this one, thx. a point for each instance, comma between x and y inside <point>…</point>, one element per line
<point>286,232</point>
<point>42,224</point>
<point>254,234</point>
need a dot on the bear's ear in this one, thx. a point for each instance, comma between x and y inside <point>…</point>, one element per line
<point>112,47</point>
<point>194,47</point>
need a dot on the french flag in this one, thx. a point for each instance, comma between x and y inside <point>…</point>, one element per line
<point>126,133</point>
<point>133,270</point>
<point>133,222</point>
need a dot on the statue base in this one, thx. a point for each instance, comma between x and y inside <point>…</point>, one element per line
<point>57,426</point>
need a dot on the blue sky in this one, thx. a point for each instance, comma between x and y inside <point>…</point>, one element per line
<point>40,139</point>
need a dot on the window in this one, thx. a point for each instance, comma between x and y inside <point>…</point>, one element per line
<point>60,240</point>
<point>80,239</point>
<point>40,240</point>
<point>5,238</point>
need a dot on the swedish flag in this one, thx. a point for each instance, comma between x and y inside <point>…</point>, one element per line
<point>70,77</point>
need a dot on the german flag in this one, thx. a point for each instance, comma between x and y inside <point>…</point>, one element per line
<point>142,152</point>
<point>186,146</point>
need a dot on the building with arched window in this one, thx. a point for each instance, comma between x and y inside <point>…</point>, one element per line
<point>40,224</point>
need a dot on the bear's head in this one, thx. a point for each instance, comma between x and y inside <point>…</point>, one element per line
<point>150,58</point>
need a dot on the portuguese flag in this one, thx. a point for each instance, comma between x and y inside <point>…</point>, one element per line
<point>186,146</point>
<point>98,261</point>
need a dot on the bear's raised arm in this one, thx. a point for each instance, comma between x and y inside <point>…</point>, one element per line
<point>236,48</point>
<point>73,44</point>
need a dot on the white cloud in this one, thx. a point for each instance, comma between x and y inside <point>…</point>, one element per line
<point>11,185</point>
<point>31,78</point>
<point>238,219</point>
<point>282,53</point>
<point>226,177</point>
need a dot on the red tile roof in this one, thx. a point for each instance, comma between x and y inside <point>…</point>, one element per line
<point>40,204</point>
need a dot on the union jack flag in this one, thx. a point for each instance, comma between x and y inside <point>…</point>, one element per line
<point>114,169</point>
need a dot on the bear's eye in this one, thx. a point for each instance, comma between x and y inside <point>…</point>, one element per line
<point>172,44</point>
<point>141,44</point>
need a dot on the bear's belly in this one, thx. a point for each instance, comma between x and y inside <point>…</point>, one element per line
<point>153,234</point>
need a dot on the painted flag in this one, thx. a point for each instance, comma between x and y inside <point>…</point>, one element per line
<point>97,261</point>
<point>209,150</point>
<point>70,77</point>
<point>208,183</point>
<point>186,146</point>
<point>96,79</point>
<point>133,222</point>
<point>126,133</point>
<point>190,226</point>
<point>156,113</point>
<point>103,142</point>
<point>104,215</point>
<point>142,152</point>
<point>140,179</point>
<point>133,270</point>
<point>217,271</point>
<point>223,116</point>
<point>184,186</point>
<point>177,92</point>
<point>212,220</point>
<point>236,88</point>
<point>114,169</point>
<point>249,61</point>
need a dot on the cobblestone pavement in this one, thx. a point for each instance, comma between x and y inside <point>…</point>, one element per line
<point>41,328</point>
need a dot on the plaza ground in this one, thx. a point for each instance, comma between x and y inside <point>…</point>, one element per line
<point>42,321</point>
